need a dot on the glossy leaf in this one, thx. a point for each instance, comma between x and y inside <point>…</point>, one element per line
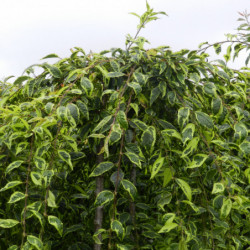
<point>17,196</point>
<point>10,185</point>
<point>102,168</point>
<point>226,208</point>
<point>183,116</point>
<point>73,114</point>
<point>122,119</point>
<point>218,188</point>
<point>35,242</point>
<point>13,165</point>
<point>197,161</point>
<point>87,85</point>
<point>204,119</point>
<point>135,86</point>
<point>157,166</point>
<point>8,223</point>
<point>65,156</point>
<point>104,197</point>
<point>134,158</point>
<point>185,188</point>
<point>116,226</point>
<point>129,187</point>
<point>54,221</point>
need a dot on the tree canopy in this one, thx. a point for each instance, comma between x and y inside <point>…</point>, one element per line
<point>128,149</point>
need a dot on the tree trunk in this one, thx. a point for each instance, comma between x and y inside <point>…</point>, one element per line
<point>99,209</point>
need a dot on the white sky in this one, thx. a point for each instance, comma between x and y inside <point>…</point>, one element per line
<point>31,29</point>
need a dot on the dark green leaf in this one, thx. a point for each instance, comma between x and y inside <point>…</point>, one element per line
<point>102,168</point>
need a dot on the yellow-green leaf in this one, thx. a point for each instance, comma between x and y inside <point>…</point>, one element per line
<point>54,221</point>
<point>17,196</point>
<point>102,168</point>
<point>185,188</point>
<point>35,242</point>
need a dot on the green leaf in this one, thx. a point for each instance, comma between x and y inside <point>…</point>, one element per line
<point>39,217</point>
<point>134,158</point>
<point>41,150</point>
<point>102,168</point>
<point>135,108</point>
<point>83,109</point>
<point>35,242</point>
<point>103,122</point>
<point>40,163</point>
<point>204,120</point>
<point>191,147</point>
<point>10,185</point>
<point>157,166</point>
<point>8,223</point>
<point>50,56</point>
<point>122,119</point>
<point>218,188</point>
<point>217,48</point>
<point>54,221</point>
<point>183,115</point>
<point>17,196</point>
<point>21,79</point>
<point>87,85</point>
<point>245,147</point>
<point>188,132</point>
<point>181,77</point>
<point>115,65</point>
<point>14,247</point>
<point>136,87</point>
<point>221,144</point>
<point>73,114</point>
<point>51,200</point>
<point>217,107</point>
<point>71,142</point>
<point>13,165</point>
<point>210,89</point>
<point>99,136</point>
<point>154,95</point>
<point>140,78</point>
<point>226,208</point>
<point>117,227</point>
<point>171,95</point>
<point>104,197</point>
<point>65,156</point>
<point>223,75</point>
<point>21,146</point>
<point>53,70</point>
<point>115,74</point>
<point>240,131</point>
<point>37,178</point>
<point>62,113</point>
<point>148,137</point>
<point>140,124</point>
<point>171,133</point>
<point>227,56</point>
<point>194,77</point>
<point>129,187</point>
<point>197,161</point>
<point>167,176</point>
<point>185,188</point>
<point>168,227</point>
<point>49,107</point>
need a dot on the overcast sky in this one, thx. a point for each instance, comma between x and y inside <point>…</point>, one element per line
<point>31,29</point>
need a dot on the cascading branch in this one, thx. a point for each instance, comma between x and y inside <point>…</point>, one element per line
<point>142,149</point>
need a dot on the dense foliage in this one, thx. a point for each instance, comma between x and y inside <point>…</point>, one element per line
<point>134,149</point>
